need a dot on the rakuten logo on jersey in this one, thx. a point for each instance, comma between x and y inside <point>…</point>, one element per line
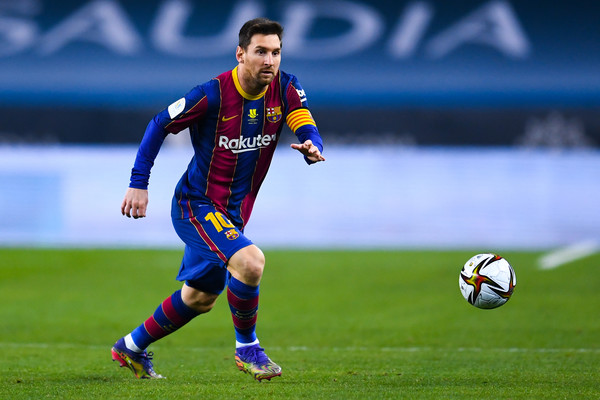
<point>241,145</point>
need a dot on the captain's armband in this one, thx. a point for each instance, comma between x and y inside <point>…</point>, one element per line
<point>298,118</point>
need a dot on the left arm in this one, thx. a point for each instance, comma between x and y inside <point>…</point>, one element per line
<point>301,122</point>
<point>311,150</point>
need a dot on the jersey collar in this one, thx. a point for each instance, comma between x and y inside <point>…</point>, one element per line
<point>241,91</point>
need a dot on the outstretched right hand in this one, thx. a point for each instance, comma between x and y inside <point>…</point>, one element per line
<point>135,203</point>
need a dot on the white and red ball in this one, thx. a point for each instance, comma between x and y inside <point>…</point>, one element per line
<point>487,281</point>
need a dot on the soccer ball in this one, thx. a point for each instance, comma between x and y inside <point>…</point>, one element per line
<point>487,281</point>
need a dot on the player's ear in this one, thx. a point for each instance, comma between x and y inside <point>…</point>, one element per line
<point>239,54</point>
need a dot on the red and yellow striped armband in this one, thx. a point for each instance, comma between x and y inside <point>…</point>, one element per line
<point>298,118</point>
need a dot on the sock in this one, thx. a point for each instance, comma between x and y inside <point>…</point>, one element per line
<point>240,345</point>
<point>130,344</point>
<point>171,315</point>
<point>243,303</point>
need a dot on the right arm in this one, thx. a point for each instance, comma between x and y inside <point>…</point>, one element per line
<point>136,198</point>
<point>173,119</point>
<point>135,203</point>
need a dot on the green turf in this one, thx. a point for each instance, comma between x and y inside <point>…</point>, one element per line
<point>343,325</point>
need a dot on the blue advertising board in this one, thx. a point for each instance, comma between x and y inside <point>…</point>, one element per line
<point>140,54</point>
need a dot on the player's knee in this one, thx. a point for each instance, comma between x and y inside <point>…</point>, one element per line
<point>203,305</point>
<point>201,302</point>
<point>254,270</point>
<point>253,266</point>
<point>248,265</point>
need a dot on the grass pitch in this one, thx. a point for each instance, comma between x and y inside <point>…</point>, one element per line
<point>343,325</point>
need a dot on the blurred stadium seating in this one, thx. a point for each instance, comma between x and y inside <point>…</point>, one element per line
<point>489,83</point>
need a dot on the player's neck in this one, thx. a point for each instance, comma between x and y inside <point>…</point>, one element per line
<point>249,85</point>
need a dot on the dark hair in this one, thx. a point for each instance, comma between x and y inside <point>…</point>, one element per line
<point>262,26</point>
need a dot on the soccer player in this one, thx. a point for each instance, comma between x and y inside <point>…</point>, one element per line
<point>234,121</point>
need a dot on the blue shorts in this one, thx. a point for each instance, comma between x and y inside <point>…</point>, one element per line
<point>210,241</point>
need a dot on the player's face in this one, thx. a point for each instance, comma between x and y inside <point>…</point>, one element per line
<point>259,63</point>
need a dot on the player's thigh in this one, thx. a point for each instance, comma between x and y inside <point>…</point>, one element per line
<point>211,230</point>
<point>211,240</point>
<point>203,271</point>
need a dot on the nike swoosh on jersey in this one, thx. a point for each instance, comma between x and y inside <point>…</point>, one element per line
<point>228,118</point>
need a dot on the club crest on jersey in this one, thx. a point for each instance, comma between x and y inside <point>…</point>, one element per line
<point>274,114</point>
<point>232,234</point>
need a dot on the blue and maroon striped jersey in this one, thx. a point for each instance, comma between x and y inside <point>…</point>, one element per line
<point>234,135</point>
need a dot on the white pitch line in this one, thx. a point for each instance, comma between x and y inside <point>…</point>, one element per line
<point>350,349</point>
<point>568,254</point>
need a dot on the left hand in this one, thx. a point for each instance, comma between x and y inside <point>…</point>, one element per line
<point>309,150</point>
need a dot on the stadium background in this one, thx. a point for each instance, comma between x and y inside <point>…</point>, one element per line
<point>447,124</point>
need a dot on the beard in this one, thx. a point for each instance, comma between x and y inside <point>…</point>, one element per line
<point>264,79</point>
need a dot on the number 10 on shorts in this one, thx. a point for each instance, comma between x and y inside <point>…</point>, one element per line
<point>218,220</point>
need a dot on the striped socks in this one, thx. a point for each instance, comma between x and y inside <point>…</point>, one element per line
<point>171,315</point>
<point>243,303</point>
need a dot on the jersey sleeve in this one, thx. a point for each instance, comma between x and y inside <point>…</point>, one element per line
<point>184,112</point>
<point>299,118</point>
<point>146,154</point>
<point>173,119</point>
